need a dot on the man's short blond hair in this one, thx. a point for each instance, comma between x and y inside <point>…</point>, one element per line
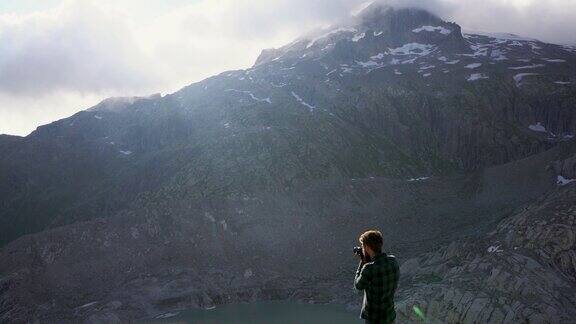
<point>373,239</point>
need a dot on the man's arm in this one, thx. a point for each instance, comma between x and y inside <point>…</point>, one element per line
<point>362,277</point>
<point>391,275</point>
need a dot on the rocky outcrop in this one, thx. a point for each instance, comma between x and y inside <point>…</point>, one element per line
<point>566,168</point>
<point>523,271</point>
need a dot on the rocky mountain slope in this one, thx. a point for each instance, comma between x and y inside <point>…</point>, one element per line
<point>522,271</point>
<point>233,188</point>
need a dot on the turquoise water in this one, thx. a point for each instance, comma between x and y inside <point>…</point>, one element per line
<point>270,312</point>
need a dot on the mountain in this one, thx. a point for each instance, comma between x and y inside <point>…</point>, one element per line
<point>249,184</point>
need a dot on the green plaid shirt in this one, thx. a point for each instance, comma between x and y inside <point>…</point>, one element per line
<point>379,280</point>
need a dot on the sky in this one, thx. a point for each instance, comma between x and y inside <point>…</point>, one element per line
<point>58,57</point>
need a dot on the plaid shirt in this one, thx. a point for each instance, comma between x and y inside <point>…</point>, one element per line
<point>379,280</point>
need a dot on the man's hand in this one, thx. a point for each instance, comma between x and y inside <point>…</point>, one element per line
<point>360,279</point>
<point>361,257</point>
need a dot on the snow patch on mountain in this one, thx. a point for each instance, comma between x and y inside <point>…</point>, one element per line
<point>538,127</point>
<point>427,67</point>
<point>501,36</point>
<point>251,95</point>
<point>533,66</point>
<point>473,65</point>
<point>413,49</point>
<point>498,55</point>
<point>301,101</point>
<point>418,179</point>
<point>209,217</point>
<point>520,76</point>
<point>358,37</point>
<point>534,47</point>
<point>367,64</point>
<point>569,48</point>
<point>346,69</point>
<point>515,43</point>
<point>167,315</point>
<point>554,60</point>
<point>439,29</point>
<point>476,76</point>
<point>224,224</point>
<point>479,50</point>
<point>561,181</point>
<point>88,305</point>
<point>332,32</point>
<point>494,248</point>
<point>335,70</point>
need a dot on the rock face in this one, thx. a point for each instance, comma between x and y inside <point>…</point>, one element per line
<point>255,184</point>
<point>523,271</point>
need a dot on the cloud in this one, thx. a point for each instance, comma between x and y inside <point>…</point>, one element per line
<point>102,46</point>
<point>20,115</point>
<point>211,36</point>
<point>548,20</point>
<point>96,49</point>
<point>75,47</point>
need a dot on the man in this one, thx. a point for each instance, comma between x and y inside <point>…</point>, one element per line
<point>378,275</point>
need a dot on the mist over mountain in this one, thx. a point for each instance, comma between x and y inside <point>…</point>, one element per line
<point>246,185</point>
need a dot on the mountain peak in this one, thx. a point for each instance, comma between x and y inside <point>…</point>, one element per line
<point>119,103</point>
<point>380,15</point>
<point>374,30</point>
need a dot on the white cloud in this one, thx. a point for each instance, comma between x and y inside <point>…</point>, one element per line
<point>94,49</point>
<point>75,47</point>
<point>548,20</point>
<point>20,115</point>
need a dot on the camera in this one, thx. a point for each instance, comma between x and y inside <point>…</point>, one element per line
<point>358,250</point>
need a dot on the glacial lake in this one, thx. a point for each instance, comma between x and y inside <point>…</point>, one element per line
<point>269,312</point>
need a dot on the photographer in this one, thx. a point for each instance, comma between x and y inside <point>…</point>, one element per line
<point>378,275</point>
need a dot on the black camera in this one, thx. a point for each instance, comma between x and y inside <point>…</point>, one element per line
<point>358,250</point>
